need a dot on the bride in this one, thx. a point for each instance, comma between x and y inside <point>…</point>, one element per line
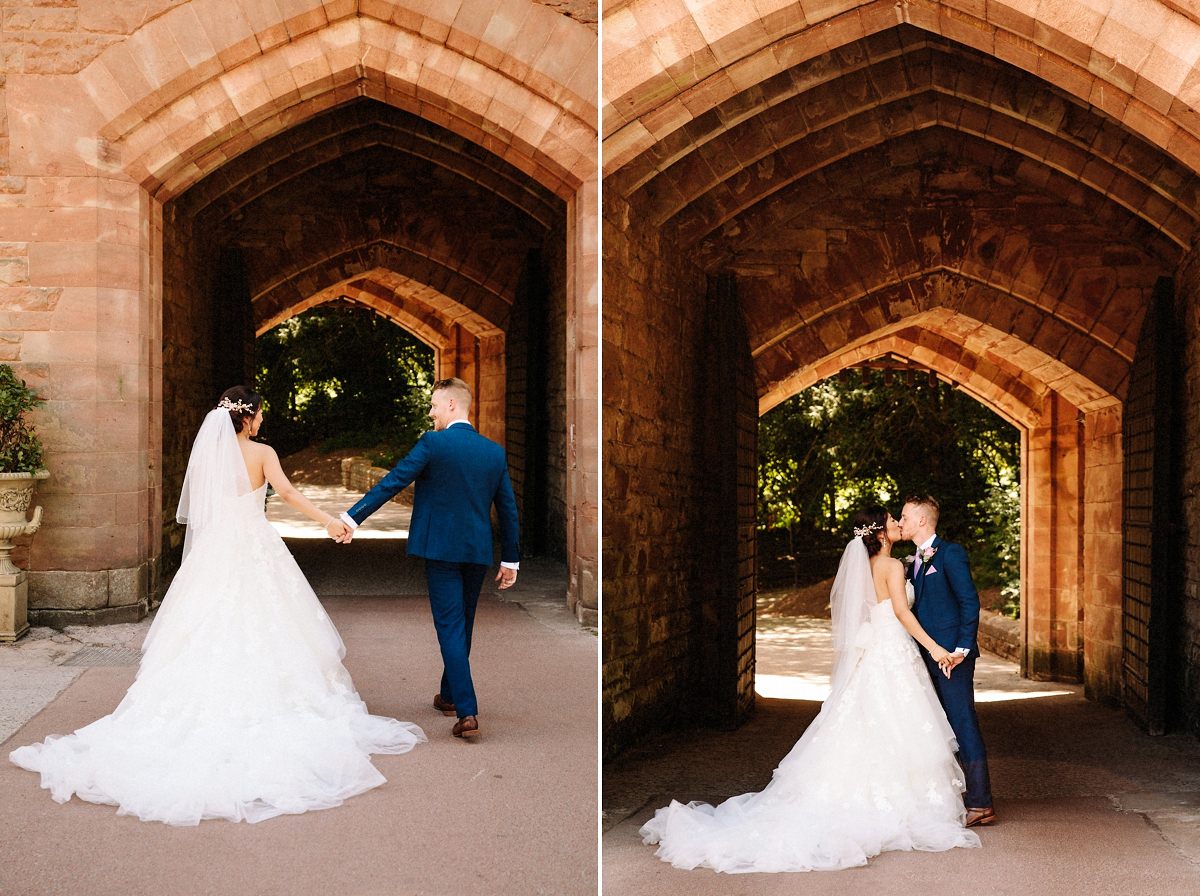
<point>241,708</point>
<point>874,771</point>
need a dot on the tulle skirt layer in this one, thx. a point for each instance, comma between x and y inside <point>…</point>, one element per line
<point>875,771</point>
<point>241,709</point>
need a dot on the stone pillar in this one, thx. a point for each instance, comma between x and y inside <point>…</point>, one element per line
<point>1102,526</point>
<point>1187,688</point>
<point>489,388</point>
<point>680,419</point>
<point>479,361</point>
<point>1051,484</point>
<point>94,361</point>
<point>728,446</point>
<point>583,401</point>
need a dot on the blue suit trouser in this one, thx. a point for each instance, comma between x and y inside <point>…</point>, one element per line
<point>453,595</point>
<point>957,696</point>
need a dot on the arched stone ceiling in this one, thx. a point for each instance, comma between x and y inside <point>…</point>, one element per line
<point>354,126</point>
<point>933,340</point>
<point>365,186</point>
<point>668,62</point>
<point>1023,346</point>
<point>426,313</point>
<point>839,188</point>
<point>199,84</point>
<point>297,285</point>
<point>848,101</point>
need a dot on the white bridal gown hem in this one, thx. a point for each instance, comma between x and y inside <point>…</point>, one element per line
<point>241,710</point>
<point>875,771</point>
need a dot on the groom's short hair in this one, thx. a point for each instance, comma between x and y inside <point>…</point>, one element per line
<point>460,388</point>
<point>927,503</point>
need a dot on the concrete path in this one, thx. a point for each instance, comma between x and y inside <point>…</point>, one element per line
<point>514,813</point>
<point>1087,804</point>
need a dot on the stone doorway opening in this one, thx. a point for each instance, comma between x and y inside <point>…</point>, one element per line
<point>913,180</point>
<point>367,205</point>
<point>154,115</point>
<point>874,433</point>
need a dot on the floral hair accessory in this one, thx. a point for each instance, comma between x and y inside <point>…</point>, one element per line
<point>239,406</point>
<point>860,531</point>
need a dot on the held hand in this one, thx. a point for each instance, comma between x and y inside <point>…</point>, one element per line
<point>506,577</point>
<point>336,529</point>
<point>944,659</point>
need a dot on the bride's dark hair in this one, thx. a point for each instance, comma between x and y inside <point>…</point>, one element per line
<point>241,394</point>
<point>873,519</point>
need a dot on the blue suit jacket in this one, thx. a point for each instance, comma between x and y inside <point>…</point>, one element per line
<point>946,604</point>
<point>459,475</point>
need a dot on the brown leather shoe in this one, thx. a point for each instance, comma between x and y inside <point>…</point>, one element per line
<point>467,726</point>
<point>980,817</point>
<point>446,709</point>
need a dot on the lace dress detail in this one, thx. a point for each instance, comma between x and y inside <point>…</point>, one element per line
<point>874,771</point>
<point>241,708</point>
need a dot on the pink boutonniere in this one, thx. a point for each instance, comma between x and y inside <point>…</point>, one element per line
<point>927,554</point>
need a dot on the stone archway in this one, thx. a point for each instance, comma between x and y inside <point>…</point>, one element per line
<point>1071,461</point>
<point>147,109</point>
<point>465,345</point>
<point>789,192</point>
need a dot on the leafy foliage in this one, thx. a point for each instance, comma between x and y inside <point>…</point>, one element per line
<point>873,437</point>
<point>20,448</point>
<point>344,378</point>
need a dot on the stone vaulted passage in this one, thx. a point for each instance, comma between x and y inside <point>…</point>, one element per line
<point>957,184</point>
<point>370,204</point>
<point>178,177</point>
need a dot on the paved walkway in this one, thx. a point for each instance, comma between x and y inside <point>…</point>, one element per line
<point>514,813</point>
<point>1087,804</point>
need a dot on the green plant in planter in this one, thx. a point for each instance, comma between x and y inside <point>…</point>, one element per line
<point>20,448</point>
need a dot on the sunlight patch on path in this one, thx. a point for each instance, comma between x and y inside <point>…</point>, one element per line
<point>389,521</point>
<point>795,653</point>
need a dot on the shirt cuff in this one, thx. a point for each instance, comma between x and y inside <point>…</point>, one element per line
<point>349,521</point>
<point>510,565</point>
<point>965,651</point>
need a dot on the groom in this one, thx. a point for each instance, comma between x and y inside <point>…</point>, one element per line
<point>459,475</point>
<point>947,607</point>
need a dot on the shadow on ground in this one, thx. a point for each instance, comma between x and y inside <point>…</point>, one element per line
<point>1087,803</point>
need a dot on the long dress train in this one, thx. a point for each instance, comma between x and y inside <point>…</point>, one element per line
<point>874,771</point>
<point>241,708</point>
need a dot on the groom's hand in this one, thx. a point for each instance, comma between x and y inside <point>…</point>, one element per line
<point>337,530</point>
<point>506,577</point>
<point>951,661</point>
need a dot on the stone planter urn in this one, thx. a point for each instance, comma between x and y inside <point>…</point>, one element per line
<point>16,494</point>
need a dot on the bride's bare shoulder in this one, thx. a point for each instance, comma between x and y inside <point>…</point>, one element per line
<point>889,566</point>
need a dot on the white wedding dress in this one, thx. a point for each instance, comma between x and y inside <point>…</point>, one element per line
<point>874,771</point>
<point>241,708</point>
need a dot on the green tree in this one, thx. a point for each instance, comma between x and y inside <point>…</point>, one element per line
<point>344,378</point>
<point>873,437</point>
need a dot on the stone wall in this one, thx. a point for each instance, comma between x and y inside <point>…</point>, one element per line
<point>679,425</point>
<point>730,407</point>
<point>535,399</point>
<point>1188,646</point>
<point>554,260</point>
<point>360,475</point>
<point>95,141</point>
